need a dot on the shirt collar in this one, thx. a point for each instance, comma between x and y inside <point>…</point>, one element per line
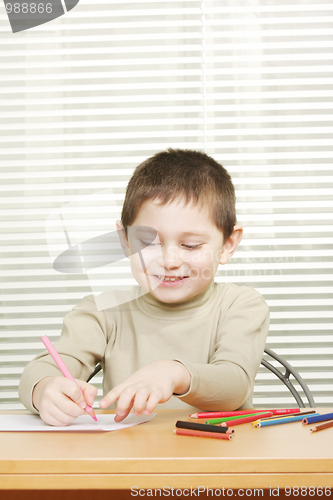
<point>200,302</point>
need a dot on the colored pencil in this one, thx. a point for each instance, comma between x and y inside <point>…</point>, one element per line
<point>322,426</point>
<point>243,420</point>
<point>279,421</point>
<point>274,417</point>
<point>317,418</point>
<point>221,414</point>
<point>225,419</point>
<point>288,415</point>
<point>64,370</point>
<point>203,427</point>
<point>214,435</point>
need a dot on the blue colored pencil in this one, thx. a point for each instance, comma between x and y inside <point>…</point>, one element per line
<point>278,421</point>
<point>317,418</point>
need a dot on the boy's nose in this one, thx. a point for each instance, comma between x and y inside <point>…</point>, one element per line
<point>171,256</point>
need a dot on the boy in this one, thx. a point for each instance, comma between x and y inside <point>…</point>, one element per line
<point>186,340</point>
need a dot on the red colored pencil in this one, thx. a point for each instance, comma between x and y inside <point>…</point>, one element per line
<point>322,426</point>
<point>214,435</point>
<point>221,414</point>
<point>245,419</point>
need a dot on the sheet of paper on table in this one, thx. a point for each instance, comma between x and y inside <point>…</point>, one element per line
<point>24,423</point>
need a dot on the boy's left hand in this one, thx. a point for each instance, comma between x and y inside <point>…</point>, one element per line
<point>153,384</point>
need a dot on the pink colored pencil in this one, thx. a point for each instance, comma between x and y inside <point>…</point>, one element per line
<point>222,414</point>
<point>64,370</point>
<point>213,435</point>
<point>246,419</point>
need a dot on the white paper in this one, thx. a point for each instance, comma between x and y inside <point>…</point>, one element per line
<point>24,423</point>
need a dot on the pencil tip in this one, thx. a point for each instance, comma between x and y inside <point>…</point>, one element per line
<point>92,414</point>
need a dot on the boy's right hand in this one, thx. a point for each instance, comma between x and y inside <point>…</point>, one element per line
<point>60,401</point>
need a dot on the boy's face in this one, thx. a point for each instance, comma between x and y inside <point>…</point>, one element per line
<point>184,255</point>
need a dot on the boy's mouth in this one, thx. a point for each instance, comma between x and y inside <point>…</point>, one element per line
<point>170,280</point>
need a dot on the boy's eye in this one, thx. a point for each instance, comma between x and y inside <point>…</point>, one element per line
<point>148,243</point>
<point>187,247</point>
<point>192,247</point>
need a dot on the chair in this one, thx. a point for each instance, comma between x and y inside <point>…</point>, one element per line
<point>285,377</point>
<point>97,369</point>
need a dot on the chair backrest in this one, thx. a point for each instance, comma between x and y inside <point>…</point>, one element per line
<point>98,368</point>
<point>285,377</point>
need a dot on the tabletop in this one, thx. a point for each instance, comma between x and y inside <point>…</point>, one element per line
<point>151,455</point>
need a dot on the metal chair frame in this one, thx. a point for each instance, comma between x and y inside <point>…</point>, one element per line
<point>97,369</point>
<point>285,378</point>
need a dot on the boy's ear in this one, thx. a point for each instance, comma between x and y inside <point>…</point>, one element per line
<point>122,238</point>
<point>230,246</point>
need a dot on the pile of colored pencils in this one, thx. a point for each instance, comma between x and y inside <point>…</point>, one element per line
<point>218,424</point>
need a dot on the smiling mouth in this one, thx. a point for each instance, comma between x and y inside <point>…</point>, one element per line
<point>170,278</point>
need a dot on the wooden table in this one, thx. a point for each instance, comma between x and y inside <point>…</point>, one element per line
<point>152,456</point>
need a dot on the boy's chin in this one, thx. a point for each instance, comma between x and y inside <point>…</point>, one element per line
<point>174,295</point>
<point>167,298</point>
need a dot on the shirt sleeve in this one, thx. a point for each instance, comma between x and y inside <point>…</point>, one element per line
<point>81,346</point>
<point>226,382</point>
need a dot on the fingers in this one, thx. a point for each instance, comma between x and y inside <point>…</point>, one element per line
<point>60,412</point>
<point>144,389</point>
<point>142,399</point>
<point>152,403</point>
<point>62,401</point>
<point>132,397</point>
<point>146,401</point>
<point>125,394</point>
<point>119,417</point>
<point>111,397</point>
<point>72,391</point>
<point>89,392</point>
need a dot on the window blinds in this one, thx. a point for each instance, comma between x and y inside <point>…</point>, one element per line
<point>87,97</point>
<point>268,102</point>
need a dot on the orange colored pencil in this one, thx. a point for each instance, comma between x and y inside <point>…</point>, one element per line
<point>214,435</point>
<point>245,419</point>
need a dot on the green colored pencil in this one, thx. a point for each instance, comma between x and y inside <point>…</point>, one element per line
<point>225,419</point>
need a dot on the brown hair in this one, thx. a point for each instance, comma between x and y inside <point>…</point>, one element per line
<point>188,174</point>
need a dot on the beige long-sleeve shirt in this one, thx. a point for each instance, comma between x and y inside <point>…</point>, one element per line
<point>219,336</point>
